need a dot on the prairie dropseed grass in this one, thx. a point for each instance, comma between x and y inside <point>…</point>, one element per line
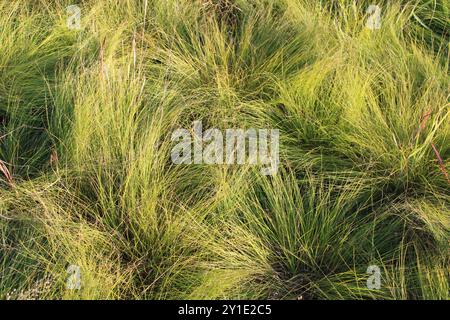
<point>98,210</point>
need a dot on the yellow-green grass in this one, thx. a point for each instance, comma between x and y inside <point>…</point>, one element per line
<point>86,118</point>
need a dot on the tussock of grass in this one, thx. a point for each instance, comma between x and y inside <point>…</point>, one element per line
<point>86,179</point>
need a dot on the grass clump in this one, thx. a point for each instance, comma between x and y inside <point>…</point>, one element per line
<point>86,180</point>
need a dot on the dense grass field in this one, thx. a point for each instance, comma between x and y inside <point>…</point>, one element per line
<point>92,207</point>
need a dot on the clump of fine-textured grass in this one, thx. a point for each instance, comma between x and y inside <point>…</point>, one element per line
<point>86,180</point>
